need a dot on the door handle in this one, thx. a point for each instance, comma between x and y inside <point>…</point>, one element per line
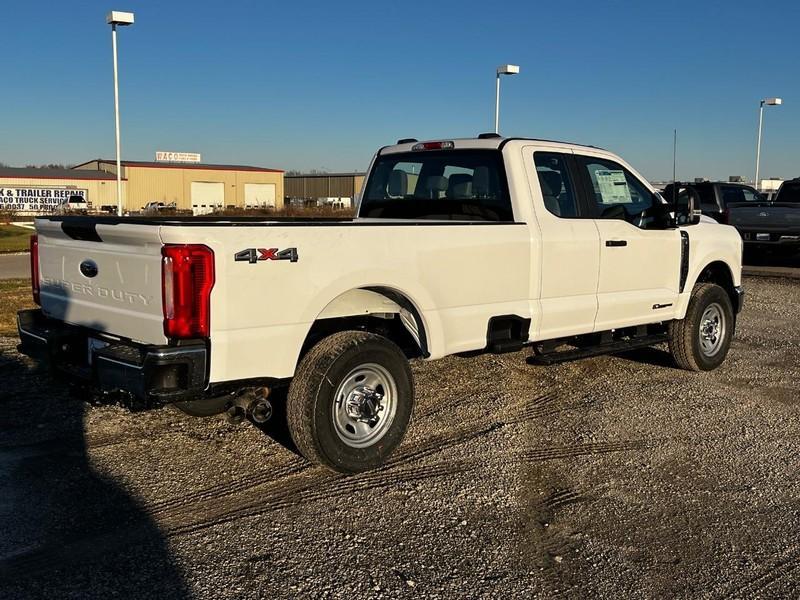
<point>616,243</point>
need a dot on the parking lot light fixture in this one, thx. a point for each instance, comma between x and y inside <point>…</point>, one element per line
<point>117,18</point>
<point>501,70</point>
<point>764,102</point>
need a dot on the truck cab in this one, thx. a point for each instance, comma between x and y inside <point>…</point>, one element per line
<point>605,252</point>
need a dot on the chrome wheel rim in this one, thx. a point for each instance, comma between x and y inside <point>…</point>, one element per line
<point>364,405</point>
<point>712,329</point>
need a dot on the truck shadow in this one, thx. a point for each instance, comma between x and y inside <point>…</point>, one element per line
<point>63,519</point>
<point>650,356</point>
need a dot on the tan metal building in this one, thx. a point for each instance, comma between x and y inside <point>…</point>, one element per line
<point>317,186</point>
<point>29,191</point>
<point>194,186</point>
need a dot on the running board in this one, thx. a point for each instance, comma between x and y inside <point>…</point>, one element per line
<point>551,358</point>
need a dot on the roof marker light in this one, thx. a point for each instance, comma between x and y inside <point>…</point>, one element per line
<point>433,146</point>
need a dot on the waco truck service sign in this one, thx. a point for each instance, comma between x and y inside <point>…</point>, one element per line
<point>37,200</point>
<point>183,157</point>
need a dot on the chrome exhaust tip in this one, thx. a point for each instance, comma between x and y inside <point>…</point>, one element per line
<point>260,411</point>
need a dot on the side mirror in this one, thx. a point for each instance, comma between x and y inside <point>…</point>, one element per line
<point>692,210</point>
<point>660,212</point>
<point>686,206</point>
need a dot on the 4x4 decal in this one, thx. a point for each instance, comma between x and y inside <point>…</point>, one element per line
<point>253,255</point>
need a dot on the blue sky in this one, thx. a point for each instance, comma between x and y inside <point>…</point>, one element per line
<point>311,85</point>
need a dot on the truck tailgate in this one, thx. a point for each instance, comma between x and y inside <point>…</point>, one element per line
<point>105,277</point>
<point>772,218</point>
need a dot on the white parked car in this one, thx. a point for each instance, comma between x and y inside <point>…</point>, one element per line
<point>462,245</point>
<point>73,204</point>
<point>156,207</point>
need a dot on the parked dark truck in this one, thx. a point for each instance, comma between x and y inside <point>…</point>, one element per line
<point>773,224</point>
<point>761,222</point>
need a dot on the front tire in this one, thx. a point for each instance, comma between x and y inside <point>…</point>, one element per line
<point>350,401</point>
<point>701,340</point>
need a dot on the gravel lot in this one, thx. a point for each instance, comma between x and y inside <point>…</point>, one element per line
<point>610,477</point>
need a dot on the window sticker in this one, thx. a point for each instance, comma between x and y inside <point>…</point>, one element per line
<point>613,187</point>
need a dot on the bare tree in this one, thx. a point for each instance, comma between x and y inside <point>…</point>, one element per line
<point>48,166</point>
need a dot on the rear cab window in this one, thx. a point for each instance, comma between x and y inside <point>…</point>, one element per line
<point>738,193</point>
<point>556,184</point>
<point>708,198</point>
<point>705,195</point>
<point>466,185</point>
<point>789,192</point>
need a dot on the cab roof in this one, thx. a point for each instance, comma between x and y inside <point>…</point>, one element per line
<point>484,141</point>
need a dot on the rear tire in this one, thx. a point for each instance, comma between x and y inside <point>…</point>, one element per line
<point>350,401</point>
<point>701,340</point>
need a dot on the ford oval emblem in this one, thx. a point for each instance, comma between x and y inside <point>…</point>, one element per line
<point>89,268</point>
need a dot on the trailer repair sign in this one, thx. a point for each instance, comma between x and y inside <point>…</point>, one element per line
<point>37,200</point>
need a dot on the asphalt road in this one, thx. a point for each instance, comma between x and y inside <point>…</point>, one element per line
<point>15,265</point>
<point>613,477</point>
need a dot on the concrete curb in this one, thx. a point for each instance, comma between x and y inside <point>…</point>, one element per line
<point>780,272</point>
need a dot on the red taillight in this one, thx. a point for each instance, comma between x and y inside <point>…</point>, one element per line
<point>726,216</point>
<point>35,269</point>
<point>187,277</point>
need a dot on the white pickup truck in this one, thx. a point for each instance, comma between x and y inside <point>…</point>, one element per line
<point>460,245</point>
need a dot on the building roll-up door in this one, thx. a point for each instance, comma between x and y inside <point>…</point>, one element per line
<point>207,196</point>
<point>259,195</point>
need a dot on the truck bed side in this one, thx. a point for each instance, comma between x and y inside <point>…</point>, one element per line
<point>456,274</point>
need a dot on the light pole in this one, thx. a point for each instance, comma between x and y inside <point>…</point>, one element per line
<point>768,102</point>
<point>501,70</point>
<point>122,19</point>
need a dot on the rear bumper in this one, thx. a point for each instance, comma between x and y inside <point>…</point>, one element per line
<point>753,237</point>
<point>148,375</point>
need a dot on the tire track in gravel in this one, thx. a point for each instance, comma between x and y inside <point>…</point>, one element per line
<point>564,497</point>
<point>295,484</point>
<point>286,492</point>
<point>326,485</point>
<point>777,571</point>
<point>487,395</point>
<point>323,487</point>
<point>437,443</point>
<point>593,449</point>
<point>302,486</point>
<point>220,491</point>
<point>176,517</point>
